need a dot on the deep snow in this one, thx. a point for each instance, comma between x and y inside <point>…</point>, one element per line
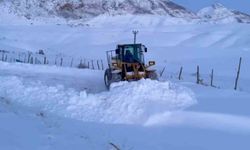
<point>64,108</point>
<point>48,114</point>
<point>147,97</point>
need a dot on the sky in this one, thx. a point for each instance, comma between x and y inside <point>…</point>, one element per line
<point>195,5</point>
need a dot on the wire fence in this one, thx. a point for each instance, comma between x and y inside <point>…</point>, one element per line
<point>58,60</point>
<point>212,79</point>
<point>98,64</point>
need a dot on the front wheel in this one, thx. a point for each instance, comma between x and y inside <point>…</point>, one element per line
<point>107,78</point>
<point>152,75</point>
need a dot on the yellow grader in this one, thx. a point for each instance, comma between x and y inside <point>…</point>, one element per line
<point>127,63</point>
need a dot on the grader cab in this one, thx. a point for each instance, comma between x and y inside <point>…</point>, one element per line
<point>127,63</point>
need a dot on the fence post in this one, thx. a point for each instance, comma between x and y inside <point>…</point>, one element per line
<point>238,75</point>
<point>24,58</point>
<point>92,62</point>
<point>45,60</point>
<point>212,78</point>
<point>88,64</point>
<point>81,62</point>
<point>102,65</point>
<point>71,64</point>
<point>29,55</point>
<point>114,146</point>
<point>6,58</point>
<point>180,73</point>
<point>2,56</point>
<point>163,70</point>
<point>98,64</point>
<point>31,60</point>
<point>198,75</point>
<point>61,63</point>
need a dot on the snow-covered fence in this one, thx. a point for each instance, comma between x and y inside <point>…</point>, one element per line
<point>211,78</point>
<point>58,60</point>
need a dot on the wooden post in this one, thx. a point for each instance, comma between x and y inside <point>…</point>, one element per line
<point>6,58</point>
<point>114,146</point>
<point>212,78</point>
<point>102,65</point>
<point>92,62</point>
<point>98,64</point>
<point>45,60</point>
<point>31,60</point>
<point>2,56</point>
<point>24,58</point>
<point>71,64</point>
<point>238,75</point>
<point>29,55</point>
<point>61,63</point>
<point>56,61</point>
<point>198,75</point>
<point>180,73</point>
<point>88,65</point>
<point>163,70</point>
<point>81,62</point>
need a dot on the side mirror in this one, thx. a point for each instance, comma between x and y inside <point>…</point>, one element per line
<point>146,50</point>
<point>117,51</point>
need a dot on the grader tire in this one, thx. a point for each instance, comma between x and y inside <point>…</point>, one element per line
<point>153,75</point>
<point>108,78</point>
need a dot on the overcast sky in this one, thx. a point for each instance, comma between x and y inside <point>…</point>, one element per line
<point>242,5</point>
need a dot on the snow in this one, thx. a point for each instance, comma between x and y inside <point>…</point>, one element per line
<point>69,108</point>
<point>108,107</point>
<point>57,116</point>
<point>114,13</point>
<point>217,13</point>
<point>80,11</point>
<point>220,122</point>
<point>139,20</point>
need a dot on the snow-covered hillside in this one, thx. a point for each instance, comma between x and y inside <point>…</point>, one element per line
<point>103,12</point>
<point>75,9</point>
<point>218,13</point>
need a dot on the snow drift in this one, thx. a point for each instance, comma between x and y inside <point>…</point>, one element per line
<point>125,103</point>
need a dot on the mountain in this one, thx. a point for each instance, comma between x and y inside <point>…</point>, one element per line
<point>116,12</point>
<point>218,13</point>
<point>84,9</point>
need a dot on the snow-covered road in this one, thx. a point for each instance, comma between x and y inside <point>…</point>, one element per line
<point>47,110</point>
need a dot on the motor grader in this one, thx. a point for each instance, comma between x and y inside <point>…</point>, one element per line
<point>127,63</point>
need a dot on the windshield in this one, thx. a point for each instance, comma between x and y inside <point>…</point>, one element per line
<point>133,51</point>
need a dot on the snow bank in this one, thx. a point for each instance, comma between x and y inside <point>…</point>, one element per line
<point>216,121</point>
<point>125,103</point>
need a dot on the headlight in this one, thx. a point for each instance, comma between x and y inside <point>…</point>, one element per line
<point>151,63</point>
